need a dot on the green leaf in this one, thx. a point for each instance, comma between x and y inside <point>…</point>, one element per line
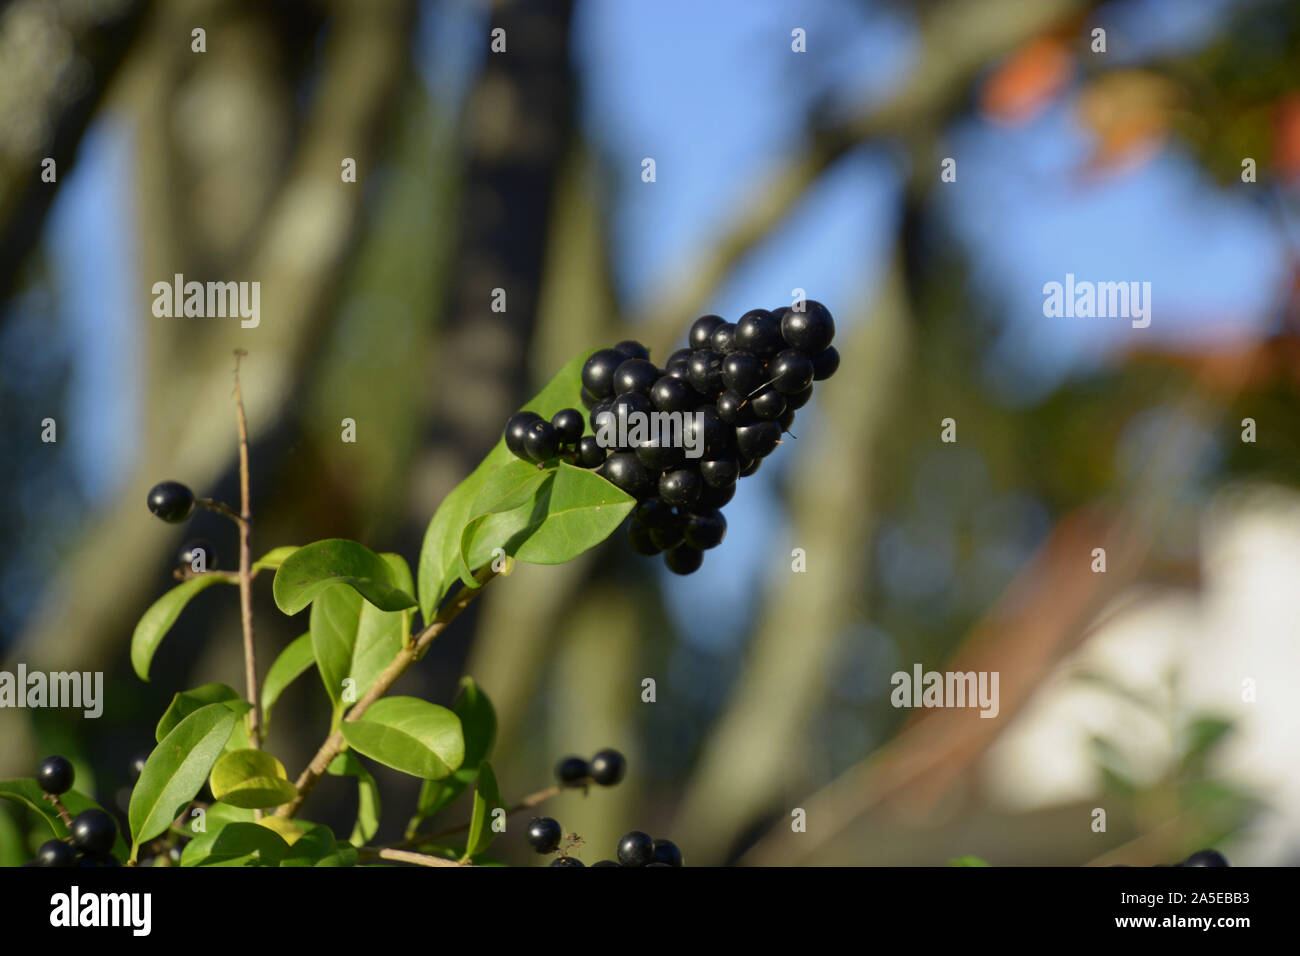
<point>344,854</point>
<point>311,569</point>
<point>176,770</point>
<point>235,844</point>
<point>478,720</point>
<point>274,558</point>
<point>1201,736</point>
<point>160,617</point>
<point>967,860</point>
<point>410,735</point>
<point>293,662</point>
<point>29,793</point>
<point>487,797</point>
<point>251,779</point>
<point>188,701</point>
<point>575,511</point>
<point>512,501</point>
<point>440,554</point>
<point>347,764</point>
<point>351,638</point>
<point>315,844</point>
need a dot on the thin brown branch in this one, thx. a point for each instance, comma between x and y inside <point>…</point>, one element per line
<point>404,658</point>
<point>245,576</point>
<point>527,803</point>
<point>370,854</point>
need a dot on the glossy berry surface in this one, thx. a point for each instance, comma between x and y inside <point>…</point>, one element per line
<point>198,555</point>
<point>55,775</point>
<point>723,340</point>
<point>632,349</point>
<point>720,472</point>
<point>93,831</point>
<point>636,849</point>
<point>809,331</point>
<point>516,429</point>
<point>684,559</point>
<point>569,424</point>
<point>670,394</point>
<point>590,453</point>
<point>567,861</point>
<point>635,375</point>
<point>639,537</point>
<point>624,471</point>
<point>541,442</point>
<point>680,487</point>
<point>608,767</point>
<point>171,501</point>
<point>798,399</point>
<point>657,457</point>
<point>572,770</point>
<point>605,863</point>
<point>1206,858</point>
<point>544,834</point>
<point>757,440</point>
<point>598,372</point>
<point>825,364</point>
<point>705,372</point>
<point>735,409</point>
<point>55,853</point>
<point>790,371</point>
<point>759,331</point>
<point>705,531</point>
<point>702,329</point>
<point>666,852</point>
<point>742,372</point>
<point>768,405</point>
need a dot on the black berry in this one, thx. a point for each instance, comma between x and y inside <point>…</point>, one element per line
<point>705,372</point>
<point>786,420</point>
<point>635,375</point>
<point>544,834</point>
<point>631,349</point>
<point>569,424</point>
<point>602,407</point>
<point>684,559</point>
<point>825,364</point>
<point>680,487</point>
<point>705,531</point>
<point>720,472</point>
<point>541,442</point>
<point>716,497</point>
<point>516,430</point>
<point>171,501</point>
<point>668,534</point>
<point>1206,858</point>
<point>809,331</point>
<point>723,340</point>
<point>624,471</point>
<point>572,770</point>
<point>55,775</point>
<point>671,394</point>
<point>798,399</point>
<point>742,372</point>
<point>790,371</point>
<point>636,849</point>
<point>749,466</point>
<point>678,364</point>
<point>588,399</point>
<point>55,853</point>
<point>666,852</point>
<point>605,863</point>
<point>759,331</point>
<point>590,454</point>
<point>93,831</point>
<point>608,767</point>
<point>735,409</point>
<point>598,372</point>
<point>702,329</point>
<point>768,405</point>
<point>190,555</point>
<point>757,440</point>
<point>639,537</point>
<point>659,457</point>
<point>629,405</point>
<point>567,861</point>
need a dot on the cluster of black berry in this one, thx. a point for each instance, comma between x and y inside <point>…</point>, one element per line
<point>93,832</point>
<point>634,849</point>
<point>606,768</point>
<point>738,384</point>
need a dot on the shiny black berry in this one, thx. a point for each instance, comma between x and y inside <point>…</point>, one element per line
<point>605,863</point>
<point>680,487</point>
<point>590,454</point>
<point>786,420</point>
<point>825,364</point>
<point>598,372</point>
<point>809,331</point>
<point>705,372</point>
<point>702,329</point>
<point>93,831</point>
<point>569,424</point>
<point>757,440</point>
<point>706,530</point>
<point>799,399</point>
<point>198,555</point>
<point>55,775</point>
<point>684,559</point>
<point>723,340</point>
<point>1206,858</point>
<point>768,405</point>
<point>588,399</point>
<point>639,537</point>
<point>572,770</point>
<point>671,394</point>
<point>660,457</point>
<point>668,534</point>
<point>55,853</point>
<point>636,849</point>
<point>567,861</point>
<point>171,501</point>
<point>624,471</point>
<point>541,442</point>
<point>720,472</point>
<point>716,497</point>
<point>516,429</point>
<point>635,375</point>
<point>665,851</point>
<point>759,331</point>
<point>544,834</point>
<point>608,767</point>
<point>790,371</point>
<point>630,405</point>
<point>708,434</point>
<point>735,409</point>
<point>602,407</point>
<point>678,363</point>
<point>632,349</point>
<point>748,466</point>
<point>743,372</point>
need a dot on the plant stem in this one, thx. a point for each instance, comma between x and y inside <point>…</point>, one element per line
<point>406,856</point>
<point>62,811</point>
<point>404,658</point>
<point>527,803</point>
<point>246,578</point>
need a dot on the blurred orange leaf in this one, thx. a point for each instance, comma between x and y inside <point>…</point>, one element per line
<point>1129,112</point>
<point>1026,81</point>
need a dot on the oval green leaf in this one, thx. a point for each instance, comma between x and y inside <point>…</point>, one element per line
<point>440,554</point>
<point>274,558</point>
<point>176,770</point>
<point>306,573</point>
<point>160,617</point>
<point>252,779</point>
<point>235,844</point>
<point>410,735</point>
<point>487,797</point>
<point>294,661</point>
<point>347,764</point>
<point>188,701</point>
